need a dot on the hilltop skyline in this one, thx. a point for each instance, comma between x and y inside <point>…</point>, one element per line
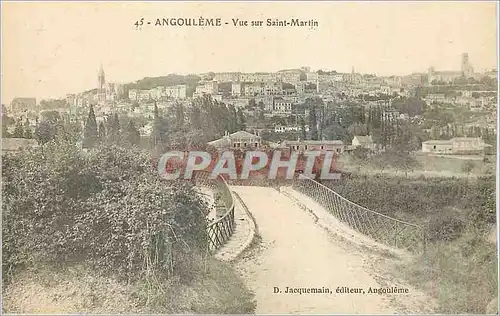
<point>58,47</point>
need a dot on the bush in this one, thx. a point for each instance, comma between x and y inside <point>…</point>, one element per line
<point>107,208</point>
<point>446,225</point>
<point>467,166</point>
<point>415,200</point>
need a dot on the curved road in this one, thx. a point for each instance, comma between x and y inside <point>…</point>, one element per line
<point>296,253</point>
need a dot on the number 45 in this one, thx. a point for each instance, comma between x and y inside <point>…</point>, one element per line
<point>139,23</point>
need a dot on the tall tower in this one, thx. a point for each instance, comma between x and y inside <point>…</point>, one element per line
<point>465,61</point>
<point>466,68</point>
<point>101,85</point>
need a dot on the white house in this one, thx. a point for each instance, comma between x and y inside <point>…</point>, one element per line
<point>363,141</point>
<point>457,145</point>
<point>437,146</point>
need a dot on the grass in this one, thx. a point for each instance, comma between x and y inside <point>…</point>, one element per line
<point>429,166</point>
<point>213,288</point>
<point>459,268</point>
<point>460,275</point>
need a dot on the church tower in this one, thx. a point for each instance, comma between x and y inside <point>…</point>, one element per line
<point>101,85</point>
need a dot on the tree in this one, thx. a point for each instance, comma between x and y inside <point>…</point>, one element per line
<point>27,129</point>
<point>132,134</point>
<point>45,132</point>
<point>233,120</point>
<point>160,129</point>
<point>358,129</point>
<point>90,135</point>
<point>241,122</point>
<point>18,131</point>
<point>303,129</point>
<point>6,122</point>
<point>101,133</point>
<point>114,129</point>
<point>396,159</point>
<point>467,167</point>
<point>179,116</point>
<point>313,122</point>
<point>51,116</point>
<point>134,105</point>
<point>360,153</point>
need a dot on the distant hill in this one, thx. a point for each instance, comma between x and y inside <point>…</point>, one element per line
<point>169,80</point>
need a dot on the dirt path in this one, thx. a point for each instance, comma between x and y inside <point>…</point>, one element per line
<point>296,253</point>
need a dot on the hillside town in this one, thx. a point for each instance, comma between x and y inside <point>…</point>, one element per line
<point>277,108</point>
<point>190,158</point>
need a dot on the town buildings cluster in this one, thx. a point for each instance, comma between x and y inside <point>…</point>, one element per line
<point>270,94</point>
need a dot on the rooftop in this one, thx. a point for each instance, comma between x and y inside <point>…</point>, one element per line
<point>364,139</point>
<point>314,142</point>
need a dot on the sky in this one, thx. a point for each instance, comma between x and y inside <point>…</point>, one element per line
<point>53,48</point>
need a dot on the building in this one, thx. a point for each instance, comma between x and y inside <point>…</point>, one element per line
<point>492,74</point>
<point>236,89</point>
<point>468,145</point>
<point>273,88</point>
<point>301,146</point>
<point>101,85</point>
<point>209,87</point>
<point>14,145</point>
<point>113,91</point>
<point>237,140</point>
<point>456,146</point>
<point>133,94</point>
<point>443,76</point>
<point>291,76</point>
<point>284,129</point>
<point>227,77</point>
<point>21,104</point>
<point>312,77</point>
<point>437,146</point>
<point>467,69</point>
<point>176,92</point>
<point>144,95</point>
<point>364,142</point>
<point>282,107</point>
<point>253,89</point>
<point>157,93</point>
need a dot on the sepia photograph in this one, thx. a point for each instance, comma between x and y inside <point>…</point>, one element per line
<point>252,157</point>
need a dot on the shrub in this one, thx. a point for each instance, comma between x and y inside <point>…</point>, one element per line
<point>467,166</point>
<point>107,208</point>
<point>446,225</point>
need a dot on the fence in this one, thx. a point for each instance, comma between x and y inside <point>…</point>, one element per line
<point>381,228</point>
<point>222,228</point>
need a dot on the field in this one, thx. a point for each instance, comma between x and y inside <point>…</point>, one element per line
<point>426,166</point>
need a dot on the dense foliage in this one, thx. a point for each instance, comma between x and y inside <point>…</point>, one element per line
<point>441,204</point>
<point>106,207</point>
<point>170,80</point>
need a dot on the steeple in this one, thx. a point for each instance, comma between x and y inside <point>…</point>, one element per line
<point>101,82</point>
<point>101,71</point>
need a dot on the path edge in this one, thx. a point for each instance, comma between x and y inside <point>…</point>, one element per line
<point>250,239</point>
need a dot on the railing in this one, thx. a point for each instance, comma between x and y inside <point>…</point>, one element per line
<point>381,228</point>
<point>222,228</point>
